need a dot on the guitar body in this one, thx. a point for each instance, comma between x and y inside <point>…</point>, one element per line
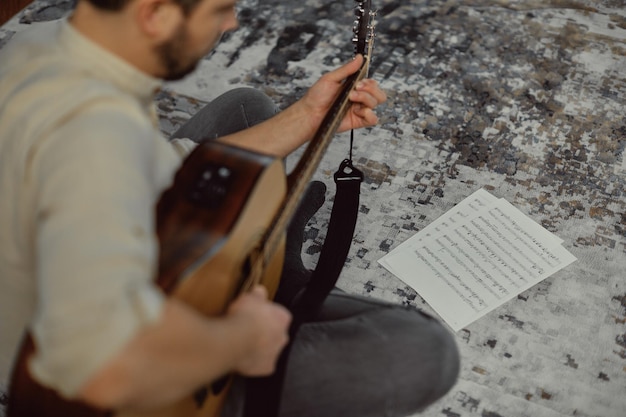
<point>210,223</point>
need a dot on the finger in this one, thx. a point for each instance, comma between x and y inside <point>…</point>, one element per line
<point>284,315</point>
<point>364,98</point>
<point>366,115</point>
<point>371,87</point>
<point>259,291</point>
<point>346,70</point>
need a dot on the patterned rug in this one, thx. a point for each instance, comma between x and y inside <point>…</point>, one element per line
<point>523,98</point>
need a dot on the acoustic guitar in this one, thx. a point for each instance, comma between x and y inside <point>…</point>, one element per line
<point>221,230</point>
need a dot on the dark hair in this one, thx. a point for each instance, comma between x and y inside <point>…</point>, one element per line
<point>116,5</point>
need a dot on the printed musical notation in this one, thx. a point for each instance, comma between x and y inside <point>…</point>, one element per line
<point>476,257</point>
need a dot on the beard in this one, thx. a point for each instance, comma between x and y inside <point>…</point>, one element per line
<point>174,57</point>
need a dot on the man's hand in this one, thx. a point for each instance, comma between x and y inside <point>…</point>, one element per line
<point>183,350</point>
<point>365,97</point>
<point>294,126</point>
<point>269,324</point>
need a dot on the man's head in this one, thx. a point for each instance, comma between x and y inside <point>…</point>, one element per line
<point>175,34</point>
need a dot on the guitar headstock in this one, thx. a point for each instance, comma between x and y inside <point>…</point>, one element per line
<point>364,28</point>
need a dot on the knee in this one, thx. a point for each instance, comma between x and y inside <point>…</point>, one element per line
<point>255,104</point>
<point>447,356</point>
<point>434,358</point>
<point>252,94</point>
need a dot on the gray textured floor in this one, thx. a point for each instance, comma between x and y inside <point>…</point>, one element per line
<point>524,98</point>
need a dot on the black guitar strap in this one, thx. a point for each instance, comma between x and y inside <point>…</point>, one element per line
<point>263,394</point>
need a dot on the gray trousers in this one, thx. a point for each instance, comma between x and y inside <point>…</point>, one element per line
<point>359,357</point>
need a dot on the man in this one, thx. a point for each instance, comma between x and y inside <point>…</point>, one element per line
<point>82,165</point>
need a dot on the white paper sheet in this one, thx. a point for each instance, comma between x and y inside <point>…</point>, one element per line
<point>477,256</point>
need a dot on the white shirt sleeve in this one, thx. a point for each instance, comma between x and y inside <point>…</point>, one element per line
<point>183,146</point>
<point>97,182</point>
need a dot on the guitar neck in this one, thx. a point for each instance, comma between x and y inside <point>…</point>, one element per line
<point>300,177</point>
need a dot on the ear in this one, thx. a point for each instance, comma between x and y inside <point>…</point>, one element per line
<point>158,19</point>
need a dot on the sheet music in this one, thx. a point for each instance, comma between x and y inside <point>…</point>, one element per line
<point>476,257</point>
<point>469,206</point>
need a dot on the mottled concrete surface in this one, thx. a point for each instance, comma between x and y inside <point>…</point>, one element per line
<point>524,98</point>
